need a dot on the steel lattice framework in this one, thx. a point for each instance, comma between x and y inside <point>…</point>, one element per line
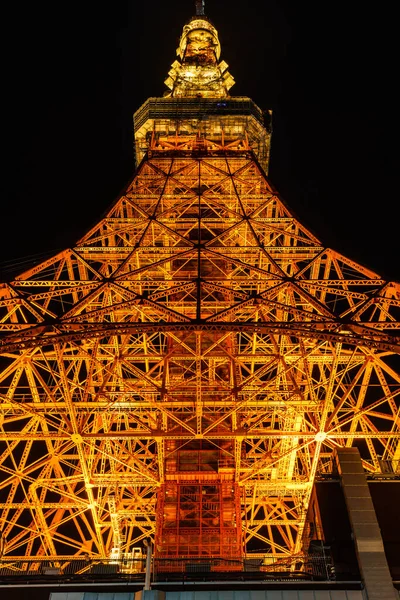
<point>198,336</point>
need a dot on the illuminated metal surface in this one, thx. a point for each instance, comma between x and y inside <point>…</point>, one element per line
<point>189,367</point>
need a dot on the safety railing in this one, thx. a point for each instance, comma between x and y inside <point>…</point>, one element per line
<point>83,568</point>
<point>261,568</point>
<point>308,567</point>
<point>191,108</point>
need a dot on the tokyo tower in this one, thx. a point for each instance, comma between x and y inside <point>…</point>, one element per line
<point>189,368</point>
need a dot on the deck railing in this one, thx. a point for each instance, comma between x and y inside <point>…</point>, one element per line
<point>311,567</point>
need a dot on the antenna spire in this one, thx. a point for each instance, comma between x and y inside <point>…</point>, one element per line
<point>200,7</point>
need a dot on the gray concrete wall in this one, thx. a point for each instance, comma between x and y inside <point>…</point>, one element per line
<point>367,534</point>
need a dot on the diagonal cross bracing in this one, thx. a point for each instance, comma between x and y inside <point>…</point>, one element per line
<point>194,361</point>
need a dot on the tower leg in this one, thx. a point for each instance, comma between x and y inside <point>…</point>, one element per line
<point>367,535</point>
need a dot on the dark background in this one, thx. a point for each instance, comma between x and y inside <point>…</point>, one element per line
<point>74,73</point>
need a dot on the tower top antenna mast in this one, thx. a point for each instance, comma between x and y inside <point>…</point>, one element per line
<point>200,7</point>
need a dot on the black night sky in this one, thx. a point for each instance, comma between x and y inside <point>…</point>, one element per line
<point>74,73</point>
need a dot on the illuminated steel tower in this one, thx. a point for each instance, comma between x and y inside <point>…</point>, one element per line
<point>188,368</point>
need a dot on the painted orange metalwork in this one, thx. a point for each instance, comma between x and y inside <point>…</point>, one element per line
<point>188,368</point>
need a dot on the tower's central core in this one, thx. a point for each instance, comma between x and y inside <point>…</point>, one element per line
<point>198,510</point>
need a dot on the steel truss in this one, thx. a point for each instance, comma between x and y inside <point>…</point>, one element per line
<point>198,316</point>
<point>188,368</point>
